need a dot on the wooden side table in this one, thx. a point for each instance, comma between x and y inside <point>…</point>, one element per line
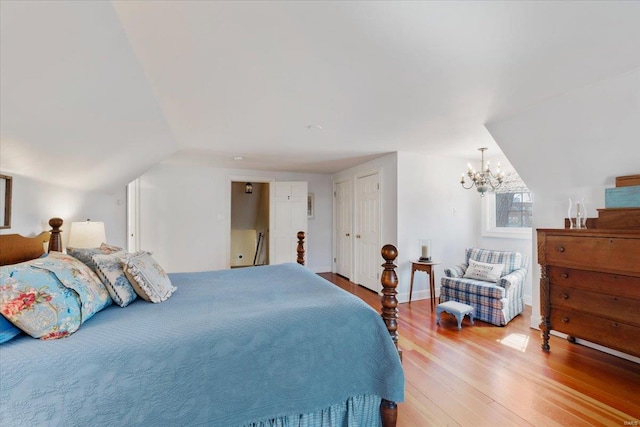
<point>427,267</point>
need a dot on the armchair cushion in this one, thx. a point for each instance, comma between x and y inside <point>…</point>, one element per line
<point>511,260</point>
<point>473,286</point>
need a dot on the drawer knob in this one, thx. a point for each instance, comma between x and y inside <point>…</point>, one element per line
<point>564,275</point>
<point>565,320</point>
<point>565,296</point>
<point>560,248</point>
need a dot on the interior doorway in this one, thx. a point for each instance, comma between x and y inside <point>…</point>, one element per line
<point>358,222</point>
<point>249,238</point>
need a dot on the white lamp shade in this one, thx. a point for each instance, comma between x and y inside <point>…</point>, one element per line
<point>86,234</point>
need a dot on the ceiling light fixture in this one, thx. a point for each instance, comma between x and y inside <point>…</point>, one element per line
<point>238,158</point>
<point>484,179</point>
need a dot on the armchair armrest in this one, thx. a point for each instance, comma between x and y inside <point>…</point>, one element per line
<point>456,271</point>
<point>516,277</point>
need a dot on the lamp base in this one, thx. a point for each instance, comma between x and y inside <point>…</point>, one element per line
<point>424,259</point>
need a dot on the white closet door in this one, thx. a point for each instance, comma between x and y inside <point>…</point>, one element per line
<point>288,215</point>
<point>368,232</point>
<point>344,230</point>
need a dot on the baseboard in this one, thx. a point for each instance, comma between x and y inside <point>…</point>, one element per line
<point>598,347</point>
<point>415,296</point>
<point>321,269</point>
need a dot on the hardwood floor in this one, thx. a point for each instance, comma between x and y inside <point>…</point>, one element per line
<point>485,375</point>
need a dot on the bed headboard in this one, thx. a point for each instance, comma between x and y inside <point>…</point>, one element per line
<point>15,248</point>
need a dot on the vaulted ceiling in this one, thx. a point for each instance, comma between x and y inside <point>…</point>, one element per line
<point>92,94</point>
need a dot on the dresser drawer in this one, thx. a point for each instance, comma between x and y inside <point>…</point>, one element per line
<point>616,335</point>
<point>611,307</point>
<point>608,254</point>
<point>608,283</point>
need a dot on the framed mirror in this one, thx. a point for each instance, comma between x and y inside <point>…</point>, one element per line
<point>5,201</point>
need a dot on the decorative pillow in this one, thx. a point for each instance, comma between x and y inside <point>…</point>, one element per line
<point>483,271</point>
<point>110,271</point>
<point>149,280</point>
<point>35,301</point>
<point>86,254</point>
<point>511,260</point>
<point>75,275</point>
<point>7,330</point>
<point>110,249</point>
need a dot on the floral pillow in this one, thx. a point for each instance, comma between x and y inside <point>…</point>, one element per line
<point>149,280</point>
<point>75,275</point>
<point>35,301</point>
<point>110,271</point>
<point>86,254</point>
<point>110,249</point>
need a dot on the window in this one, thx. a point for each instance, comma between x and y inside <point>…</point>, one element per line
<point>509,211</point>
<point>514,209</point>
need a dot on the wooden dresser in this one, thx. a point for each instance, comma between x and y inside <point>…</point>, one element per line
<point>590,286</point>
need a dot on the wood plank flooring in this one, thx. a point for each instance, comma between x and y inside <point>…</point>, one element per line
<point>485,375</point>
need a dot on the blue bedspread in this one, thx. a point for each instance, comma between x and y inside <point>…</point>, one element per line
<point>229,347</point>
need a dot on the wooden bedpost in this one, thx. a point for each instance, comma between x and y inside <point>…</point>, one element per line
<point>389,280</point>
<point>300,259</point>
<point>55,241</point>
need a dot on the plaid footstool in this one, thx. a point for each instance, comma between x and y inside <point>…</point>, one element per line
<point>456,308</point>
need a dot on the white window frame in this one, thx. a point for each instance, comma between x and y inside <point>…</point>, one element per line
<point>489,229</point>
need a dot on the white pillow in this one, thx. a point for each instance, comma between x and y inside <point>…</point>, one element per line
<point>148,279</point>
<point>110,271</point>
<point>483,271</point>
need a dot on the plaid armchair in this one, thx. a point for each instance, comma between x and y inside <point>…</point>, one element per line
<point>496,303</point>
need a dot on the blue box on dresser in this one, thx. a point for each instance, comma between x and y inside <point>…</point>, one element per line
<point>622,197</point>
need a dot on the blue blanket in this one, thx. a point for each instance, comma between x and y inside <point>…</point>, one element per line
<point>228,348</point>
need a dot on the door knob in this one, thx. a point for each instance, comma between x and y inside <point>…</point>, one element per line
<point>348,234</point>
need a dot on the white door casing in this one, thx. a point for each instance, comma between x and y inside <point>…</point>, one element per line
<point>133,216</point>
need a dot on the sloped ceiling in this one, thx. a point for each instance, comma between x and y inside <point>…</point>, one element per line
<point>94,93</point>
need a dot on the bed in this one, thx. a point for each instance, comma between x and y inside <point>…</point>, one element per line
<point>262,346</point>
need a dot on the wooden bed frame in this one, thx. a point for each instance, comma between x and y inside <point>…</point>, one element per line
<point>15,248</point>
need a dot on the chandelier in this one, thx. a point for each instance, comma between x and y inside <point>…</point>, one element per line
<point>484,179</point>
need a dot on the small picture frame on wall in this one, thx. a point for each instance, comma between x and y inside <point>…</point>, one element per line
<point>310,206</point>
<point>5,201</point>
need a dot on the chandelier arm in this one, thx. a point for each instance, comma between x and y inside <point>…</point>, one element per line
<point>494,186</point>
<point>471,184</point>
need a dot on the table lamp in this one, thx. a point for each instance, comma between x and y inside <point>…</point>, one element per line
<point>86,234</point>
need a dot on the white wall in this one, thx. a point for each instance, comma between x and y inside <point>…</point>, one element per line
<point>573,145</point>
<point>432,205</point>
<point>34,202</point>
<point>185,215</point>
